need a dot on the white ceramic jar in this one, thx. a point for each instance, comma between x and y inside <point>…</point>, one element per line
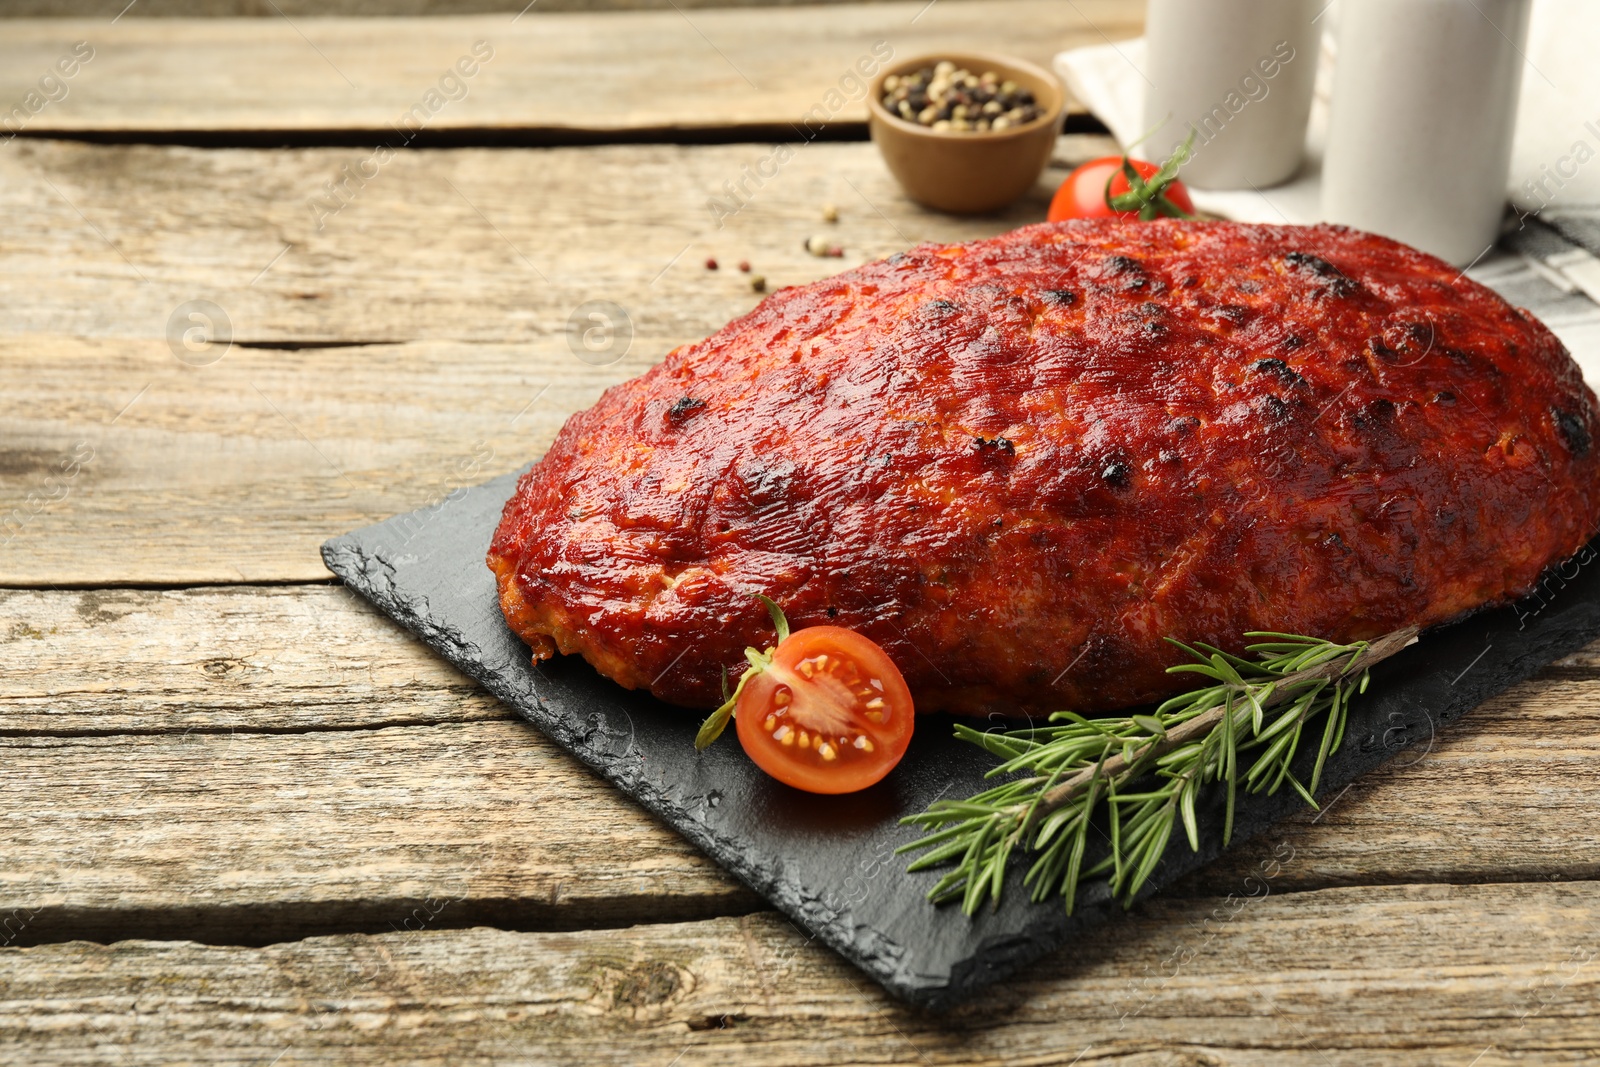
<point>1424,108</point>
<point>1239,73</point>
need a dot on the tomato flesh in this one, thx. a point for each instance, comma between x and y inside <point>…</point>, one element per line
<point>831,714</point>
<point>1083,194</point>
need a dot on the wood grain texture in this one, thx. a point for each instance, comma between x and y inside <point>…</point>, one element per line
<point>251,838</point>
<point>650,70</point>
<point>250,764</point>
<point>461,245</point>
<point>168,9</point>
<point>248,464</point>
<point>1488,975</point>
<point>246,467</point>
<point>217,660</point>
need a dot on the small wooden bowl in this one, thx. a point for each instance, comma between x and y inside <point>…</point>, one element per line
<point>968,172</point>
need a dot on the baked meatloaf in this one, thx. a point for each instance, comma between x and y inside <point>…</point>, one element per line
<point>1018,464</point>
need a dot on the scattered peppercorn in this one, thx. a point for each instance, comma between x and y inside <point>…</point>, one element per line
<point>830,213</point>
<point>758,284</point>
<point>744,265</point>
<point>711,264</point>
<point>819,246</point>
<point>945,97</point>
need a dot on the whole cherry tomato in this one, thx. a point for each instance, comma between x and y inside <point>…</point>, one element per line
<point>1102,189</point>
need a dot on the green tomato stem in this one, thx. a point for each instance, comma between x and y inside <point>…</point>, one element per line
<point>759,660</point>
<point>1148,197</point>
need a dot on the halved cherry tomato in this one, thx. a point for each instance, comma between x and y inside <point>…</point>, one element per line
<point>830,714</point>
<point>1083,194</point>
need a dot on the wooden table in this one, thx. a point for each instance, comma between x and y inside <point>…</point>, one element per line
<point>249,821</point>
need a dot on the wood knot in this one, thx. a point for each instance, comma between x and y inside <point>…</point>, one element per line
<point>643,989</point>
<point>221,668</point>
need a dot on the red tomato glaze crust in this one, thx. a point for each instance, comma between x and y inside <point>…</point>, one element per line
<point>1018,463</point>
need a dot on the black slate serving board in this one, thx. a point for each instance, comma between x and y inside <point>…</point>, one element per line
<point>828,862</point>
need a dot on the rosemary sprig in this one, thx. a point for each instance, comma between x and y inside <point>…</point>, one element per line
<point>1145,771</point>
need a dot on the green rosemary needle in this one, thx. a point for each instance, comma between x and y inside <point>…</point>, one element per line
<point>1145,771</point>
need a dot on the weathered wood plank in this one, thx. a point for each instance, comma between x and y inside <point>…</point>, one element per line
<point>395,776</point>
<point>168,9</point>
<point>464,245</point>
<point>214,660</point>
<point>247,466</point>
<point>247,837</point>
<point>1406,976</point>
<point>647,70</point>
<point>249,463</point>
